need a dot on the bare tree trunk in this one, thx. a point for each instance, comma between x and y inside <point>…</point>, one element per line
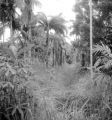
<point>91,41</point>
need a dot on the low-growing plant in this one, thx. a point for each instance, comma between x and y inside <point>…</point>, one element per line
<point>15,99</point>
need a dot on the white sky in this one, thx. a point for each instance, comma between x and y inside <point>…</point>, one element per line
<point>6,34</point>
<point>52,8</point>
<point>55,7</point>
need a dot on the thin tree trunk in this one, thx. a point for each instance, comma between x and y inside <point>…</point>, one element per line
<point>3,33</point>
<point>47,40</point>
<point>11,30</point>
<point>53,56</point>
<point>30,36</point>
<point>47,44</point>
<point>91,42</point>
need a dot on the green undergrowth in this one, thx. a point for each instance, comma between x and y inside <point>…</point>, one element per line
<point>34,92</point>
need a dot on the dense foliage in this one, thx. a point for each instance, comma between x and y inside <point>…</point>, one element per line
<point>102,23</point>
<point>36,81</point>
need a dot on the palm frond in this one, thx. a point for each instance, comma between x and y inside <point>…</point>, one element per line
<point>108,64</point>
<point>105,55</point>
<point>34,20</point>
<point>97,63</point>
<point>58,24</point>
<point>102,48</point>
<point>27,12</point>
<point>42,19</point>
<point>36,2</point>
<point>21,3</point>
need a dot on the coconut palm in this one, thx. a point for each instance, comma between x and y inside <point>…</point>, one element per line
<point>56,23</point>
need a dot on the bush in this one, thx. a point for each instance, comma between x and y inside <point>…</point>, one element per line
<point>14,96</point>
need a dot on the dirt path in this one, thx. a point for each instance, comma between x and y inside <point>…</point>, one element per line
<point>63,76</point>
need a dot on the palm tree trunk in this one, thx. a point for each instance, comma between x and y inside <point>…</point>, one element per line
<point>30,37</point>
<point>11,37</point>
<point>47,40</point>
<point>53,57</point>
<point>11,30</point>
<point>3,33</point>
<point>91,41</point>
<point>47,44</point>
<point>75,56</point>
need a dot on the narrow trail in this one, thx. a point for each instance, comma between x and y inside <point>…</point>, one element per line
<point>62,76</point>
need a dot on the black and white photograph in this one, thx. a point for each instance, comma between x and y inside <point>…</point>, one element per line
<point>55,59</point>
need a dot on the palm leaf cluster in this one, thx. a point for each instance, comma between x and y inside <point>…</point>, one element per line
<point>47,39</point>
<point>104,56</point>
<point>58,24</point>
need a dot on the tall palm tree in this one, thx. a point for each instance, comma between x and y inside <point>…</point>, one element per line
<point>56,23</point>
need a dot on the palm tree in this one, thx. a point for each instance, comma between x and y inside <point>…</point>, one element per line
<point>56,23</point>
<point>27,20</point>
<point>57,50</point>
<point>81,29</point>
